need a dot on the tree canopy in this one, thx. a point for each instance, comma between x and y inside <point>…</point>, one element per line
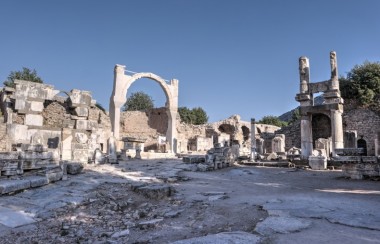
<point>195,116</point>
<point>24,74</point>
<point>138,101</point>
<point>362,83</point>
<point>272,120</point>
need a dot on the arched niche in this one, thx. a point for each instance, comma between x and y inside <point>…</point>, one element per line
<point>122,82</point>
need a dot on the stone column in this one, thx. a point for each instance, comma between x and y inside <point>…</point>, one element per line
<point>171,134</point>
<point>112,156</point>
<point>337,130</point>
<point>117,99</point>
<point>334,71</point>
<point>377,146</point>
<point>306,137</point>
<point>253,138</point>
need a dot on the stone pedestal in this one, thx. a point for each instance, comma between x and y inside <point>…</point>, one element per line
<point>318,162</point>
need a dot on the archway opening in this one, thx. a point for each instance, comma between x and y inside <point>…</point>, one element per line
<point>227,129</point>
<point>150,124</point>
<point>246,133</point>
<point>321,127</point>
<point>363,144</point>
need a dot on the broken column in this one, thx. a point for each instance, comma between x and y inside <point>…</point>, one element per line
<point>253,139</point>
<point>305,100</point>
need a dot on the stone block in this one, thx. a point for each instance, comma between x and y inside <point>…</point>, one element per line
<point>34,119</point>
<point>74,168</point>
<point>37,181</point>
<point>52,173</point>
<point>318,162</point>
<point>17,133</point>
<point>7,186</point>
<point>155,191</point>
<point>81,111</point>
<point>80,155</point>
<point>66,154</point>
<point>81,137</point>
<point>20,104</point>
<point>78,98</point>
<point>36,106</point>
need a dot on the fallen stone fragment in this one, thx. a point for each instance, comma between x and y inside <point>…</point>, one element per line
<point>217,197</point>
<point>149,224</point>
<point>120,233</point>
<point>74,168</point>
<point>238,237</point>
<point>172,214</point>
<point>282,225</point>
<point>213,193</point>
<point>155,191</point>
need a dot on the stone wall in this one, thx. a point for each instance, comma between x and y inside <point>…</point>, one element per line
<point>366,123</point>
<point>363,120</point>
<point>292,135</point>
<point>147,125</point>
<point>72,125</point>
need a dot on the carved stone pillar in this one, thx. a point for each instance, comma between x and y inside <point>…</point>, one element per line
<point>117,100</point>
<point>337,130</point>
<point>171,134</point>
<point>306,137</point>
<point>253,138</point>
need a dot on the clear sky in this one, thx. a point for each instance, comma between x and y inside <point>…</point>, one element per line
<point>230,56</point>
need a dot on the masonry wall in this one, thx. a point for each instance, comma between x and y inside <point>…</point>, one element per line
<point>366,123</point>
<point>148,125</point>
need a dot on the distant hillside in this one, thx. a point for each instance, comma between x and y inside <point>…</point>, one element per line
<point>288,115</point>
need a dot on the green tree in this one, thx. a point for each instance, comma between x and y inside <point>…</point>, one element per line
<point>24,74</point>
<point>362,83</point>
<point>272,120</point>
<point>200,116</point>
<point>138,101</point>
<point>195,116</point>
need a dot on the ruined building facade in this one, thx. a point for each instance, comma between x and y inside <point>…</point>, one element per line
<point>69,126</point>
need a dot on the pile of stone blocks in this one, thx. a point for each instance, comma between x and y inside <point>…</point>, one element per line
<point>26,157</point>
<point>355,165</point>
<point>216,158</point>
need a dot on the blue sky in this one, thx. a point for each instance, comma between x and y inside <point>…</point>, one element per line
<point>230,57</point>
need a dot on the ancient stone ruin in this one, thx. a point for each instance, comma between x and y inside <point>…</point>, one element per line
<point>43,130</point>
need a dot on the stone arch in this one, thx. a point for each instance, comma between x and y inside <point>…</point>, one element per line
<point>122,82</point>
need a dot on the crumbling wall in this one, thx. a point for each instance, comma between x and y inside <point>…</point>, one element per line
<point>56,114</point>
<point>366,123</point>
<point>292,135</point>
<point>148,125</point>
<point>3,136</point>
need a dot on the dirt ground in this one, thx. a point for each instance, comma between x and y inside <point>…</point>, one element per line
<point>163,201</point>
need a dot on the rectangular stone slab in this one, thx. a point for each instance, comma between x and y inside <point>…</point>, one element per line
<point>7,186</point>
<point>13,218</point>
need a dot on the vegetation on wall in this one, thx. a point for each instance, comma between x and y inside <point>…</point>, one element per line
<point>272,120</point>
<point>24,74</point>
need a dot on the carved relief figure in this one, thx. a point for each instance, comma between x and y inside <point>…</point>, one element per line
<point>333,63</point>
